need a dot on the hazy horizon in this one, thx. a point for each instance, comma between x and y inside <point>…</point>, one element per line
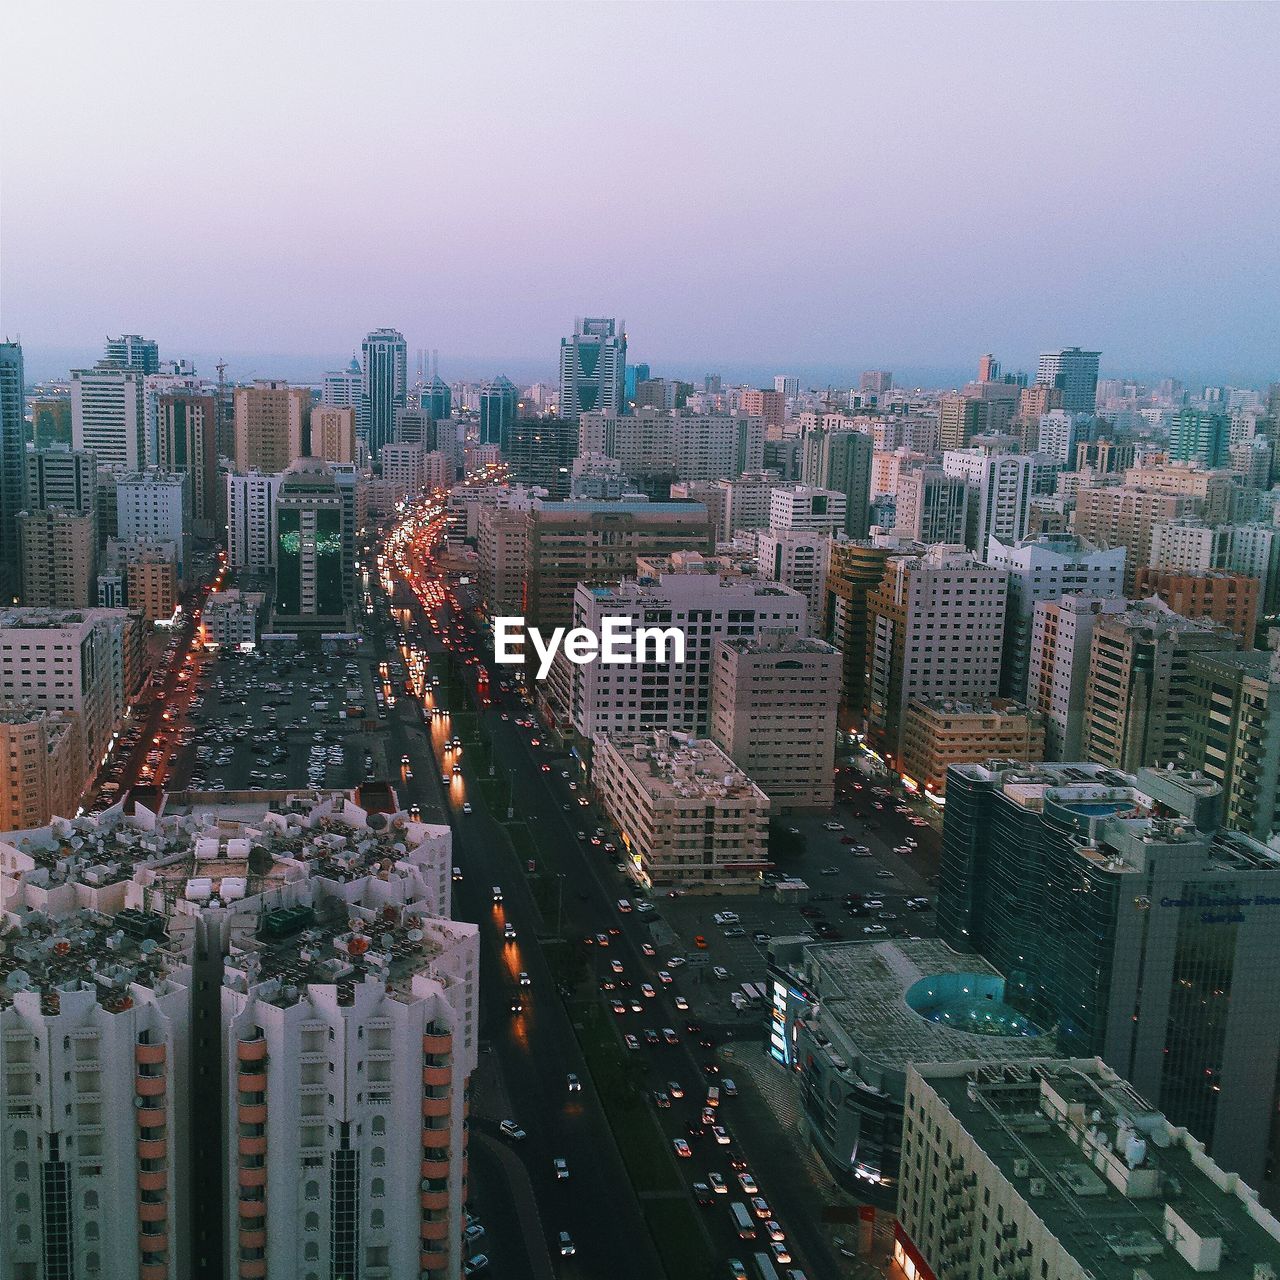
<point>752,188</point>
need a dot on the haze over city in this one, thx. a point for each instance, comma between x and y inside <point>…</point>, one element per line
<point>818,188</point>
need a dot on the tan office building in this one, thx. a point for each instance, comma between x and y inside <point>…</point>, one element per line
<point>940,732</point>
<point>42,766</point>
<point>57,550</point>
<point>270,425</point>
<point>1124,516</point>
<point>333,433</point>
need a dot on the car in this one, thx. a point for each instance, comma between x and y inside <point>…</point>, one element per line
<point>721,1135</point>
<point>833,826</point>
<point>681,1003</point>
<point>651,1036</point>
<point>561,1166</point>
<point>728,1088</point>
<point>695,1130</point>
<point>682,1148</point>
<point>773,1229</point>
<point>664,977</point>
<point>760,1207</point>
<point>873,904</point>
<point>517,1005</point>
<point>699,941</point>
<point>674,962</point>
<point>675,1088</point>
<point>509,1129</point>
<point>473,1266</point>
<point>602,939</point>
<point>524,980</point>
<point>720,972</point>
<point>884,873</point>
<point>748,1183</point>
<point>457,875</point>
<point>708,1116</point>
<point>636,1006</point>
<point>546,768</point>
<point>886,915</point>
<point>473,1233</point>
<point>918,904</point>
<point>567,1247</point>
<point>646,949</point>
<point>761,936</point>
<point>781,1254</point>
<point>509,931</point>
<point>466,806</point>
<point>619,1007</point>
<point>735,931</point>
<point>718,1184</point>
<point>631,1042</point>
<point>446,779</point>
<point>661,1100</point>
<point>573,1083</point>
<point>702,1194</point>
<point>647,991</point>
<point>736,1270</point>
<point>874,929</point>
<point>616,965</point>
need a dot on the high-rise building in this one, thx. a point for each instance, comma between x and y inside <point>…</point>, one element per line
<point>186,440</point>
<point>333,433</point>
<point>1199,437</point>
<point>1124,516</point>
<point>712,446</point>
<point>46,766</point>
<point>63,477</point>
<point>13,447</point>
<point>593,365</point>
<point>786,386</point>
<point>1123,916</point>
<point>1046,568</point>
<point>687,815</point>
<point>1058,436</point>
<point>935,627</point>
<point>499,399</point>
<point>1058,666</point>
<point>747,500</point>
<point>344,389</point>
<point>1228,598</point>
<point>206,1005</point>
<point>1234,734</point>
<point>1136,706</point>
<point>769,405</point>
<point>932,506</point>
<point>1001,1133</point>
<point>271,425</point>
<point>642,444</point>
<point>628,698</point>
<point>805,508</point>
<point>1105,457</point>
<point>155,506</point>
<point>107,415</point>
<point>311,587</point>
<point>501,547</point>
<point>384,386</point>
<point>57,551</point>
<point>598,542</point>
<point>961,418</point>
<point>1074,373</point>
<point>540,452</point>
<point>134,352</point>
<point>797,558</point>
<point>940,732</point>
<point>876,382</point>
<point>251,520</point>
<point>773,711</point>
<point>841,458</point>
<point>435,399</point>
<point>1000,490</point>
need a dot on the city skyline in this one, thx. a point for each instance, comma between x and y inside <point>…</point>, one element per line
<point>987,205</point>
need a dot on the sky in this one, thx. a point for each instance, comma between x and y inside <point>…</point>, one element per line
<point>758,188</point>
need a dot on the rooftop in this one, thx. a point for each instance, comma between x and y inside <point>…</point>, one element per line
<point>667,764</point>
<point>1124,1191</point>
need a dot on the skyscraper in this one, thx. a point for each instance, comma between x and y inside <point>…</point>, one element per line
<point>434,398</point>
<point>385,385</point>
<point>1203,438</point>
<point>1074,373</point>
<point>271,421</point>
<point>134,352</point>
<point>497,411</point>
<point>343,389</point>
<point>593,365</point>
<point>186,441</point>
<point>12,463</point>
<point>840,458</point>
<point>309,546</point>
<point>107,415</point>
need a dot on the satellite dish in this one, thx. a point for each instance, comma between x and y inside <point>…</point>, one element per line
<point>148,946</point>
<point>18,980</point>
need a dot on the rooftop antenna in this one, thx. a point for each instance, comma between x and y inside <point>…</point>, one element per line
<point>435,362</point>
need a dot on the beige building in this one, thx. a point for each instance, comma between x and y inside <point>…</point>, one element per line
<point>1137,696</point>
<point>333,433</point>
<point>501,542</point>
<point>58,552</point>
<point>773,710</point>
<point>940,732</point>
<point>1212,489</point>
<point>42,769</point>
<point>153,585</point>
<point>271,421</point>
<point>687,815</point>
<point>1125,516</point>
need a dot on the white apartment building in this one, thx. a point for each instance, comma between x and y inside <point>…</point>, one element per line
<point>1191,546</point>
<point>773,710</point>
<point>935,628</point>
<point>230,619</point>
<point>1060,433</point>
<point>711,446</point>
<point>1000,490</point>
<point>107,416</point>
<point>340,1034</point>
<point>251,520</point>
<point>629,698</point>
<point>798,559</point>
<point>1058,666</point>
<point>687,815</point>
<point>1046,568</point>
<point>642,444</point>
<point>747,501</point>
<point>68,660</point>
<point>807,509</point>
<point>405,464</point>
<point>155,506</point>
<point>932,506</point>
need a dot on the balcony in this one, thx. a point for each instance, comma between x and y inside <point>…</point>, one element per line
<point>435,1200</point>
<point>435,1230</point>
<point>435,1139</point>
<point>149,1086</point>
<point>252,1113</point>
<point>436,1106</point>
<point>433,1261</point>
<point>253,1146</point>
<point>437,1077</point>
<point>252,1082</point>
<point>149,1054</point>
<point>251,1050</point>
<point>152,1148</point>
<point>148,1243</point>
<point>253,1270</point>
<point>252,1177</point>
<point>152,1212</point>
<point>153,1271</point>
<point>154,1180</point>
<point>151,1117</point>
<point>437,1043</point>
<point>253,1208</point>
<point>435,1167</point>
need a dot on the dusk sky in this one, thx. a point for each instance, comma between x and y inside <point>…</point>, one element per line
<point>754,188</point>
